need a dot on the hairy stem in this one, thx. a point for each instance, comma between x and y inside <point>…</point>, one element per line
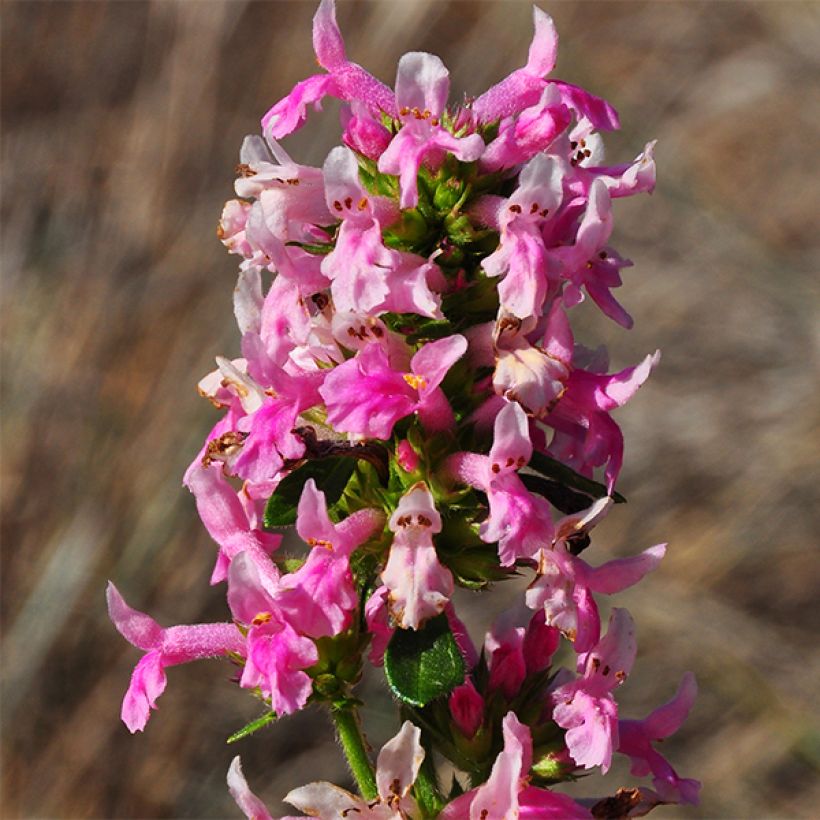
<point>349,730</point>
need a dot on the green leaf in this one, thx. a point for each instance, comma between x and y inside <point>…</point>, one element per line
<point>331,476</point>
<point>253,726</point>
<point>425,664</point>
<point>568,477</point>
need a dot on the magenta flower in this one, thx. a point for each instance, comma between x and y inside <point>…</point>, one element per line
<point>345,80</point>
<point>585,435</point>
<point>525,86</point>
<point>637,737</point>
<point>419,587</point>
<point>422,87</point>
<point>519,521</point>
<point>506,794</point>
<point>366,396</point>
<point>320,595</point>
<point>163,648</point>
<point>530,132</point>
<point>277,654</point>
<point>585,707</point>
<point>586,264</point>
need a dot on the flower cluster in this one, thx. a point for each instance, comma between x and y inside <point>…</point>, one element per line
<point>411,397</point>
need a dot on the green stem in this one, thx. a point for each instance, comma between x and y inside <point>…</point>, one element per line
<point>426,788</point>
<point>349,730</point>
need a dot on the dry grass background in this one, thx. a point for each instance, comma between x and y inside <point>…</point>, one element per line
<point>121,126</point>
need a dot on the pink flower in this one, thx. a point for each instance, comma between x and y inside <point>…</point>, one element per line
<point>585,707</point>
<point>366,396</point>
<point>419,587</point>
<point>586,263</point>
<point>506,794</point>
<point>519,521</point>
<point>277,654</point>
<point>524,87</point>
<point>320,595</point>
<point>397,767</point>
<point>533,130</point>
<point>226,519</point>
<point>585,435</point>
<point>564,584</point>
<point>422,86</point>
<point>345,80</point>
<point>521,257</point>
<point>637,737</point>
<point>163,648</point>
<point>367,277</point>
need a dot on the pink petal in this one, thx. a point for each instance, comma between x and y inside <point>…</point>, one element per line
<point>498,797</point>
<point>419,585</point>
<point>543,804</point>
<point>422,82</point>
<point>137,628</point>
<point>251,806</point>
<point>148,682</point>
<point>511,448</point>
<point>667,719</point>
<point>320,595</point>
<point>617,575</point>
<point>399,762</point>
<point>365,396</point>
<point>434,359</point>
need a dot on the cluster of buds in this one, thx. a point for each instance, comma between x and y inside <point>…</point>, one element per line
<point>411,397</point>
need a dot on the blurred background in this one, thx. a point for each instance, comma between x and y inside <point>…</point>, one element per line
<point>121,126</point>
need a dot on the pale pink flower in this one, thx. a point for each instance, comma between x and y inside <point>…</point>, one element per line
<point>522,257</point>
<point>585,707</point>
<point>163,648</point>
<point>397,767</point>
<point>366,276</point>
<point>564,584</point>
<point>419,587</point>
<point>534,375</point>
<point>422,86</point>
<point>519,521</point>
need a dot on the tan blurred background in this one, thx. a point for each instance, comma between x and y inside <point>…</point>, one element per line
<point>121,126</point>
